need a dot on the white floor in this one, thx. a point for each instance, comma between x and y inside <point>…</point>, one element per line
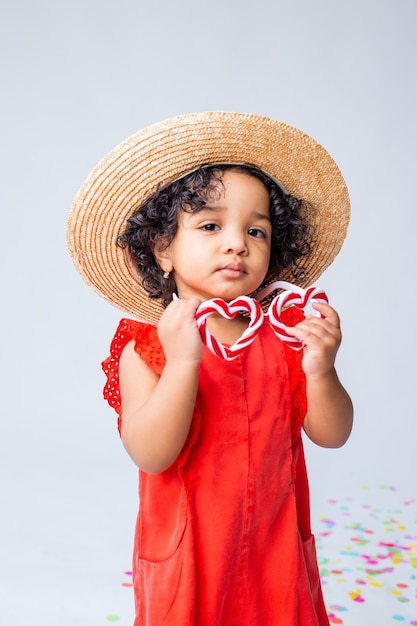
<point>66,543</point>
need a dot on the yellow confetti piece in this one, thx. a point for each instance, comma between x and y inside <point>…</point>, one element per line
<point>375,583</point>
<point>395,592</point>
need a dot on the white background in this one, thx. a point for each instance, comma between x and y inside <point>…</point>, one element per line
<point>77,78</point>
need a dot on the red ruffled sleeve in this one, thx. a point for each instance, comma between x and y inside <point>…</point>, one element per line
<point>148,347</point>
<point>291,317</point>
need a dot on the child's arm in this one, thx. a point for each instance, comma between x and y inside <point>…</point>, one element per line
<point>329,417</point>
<point>157,411</point>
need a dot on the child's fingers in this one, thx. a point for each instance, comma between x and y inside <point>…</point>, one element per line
<point>178,331</point>
<point>327,312</point>
<point>314,330</point>
<point>321,337</point>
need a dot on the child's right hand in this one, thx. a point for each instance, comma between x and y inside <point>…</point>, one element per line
<point>178,331</point>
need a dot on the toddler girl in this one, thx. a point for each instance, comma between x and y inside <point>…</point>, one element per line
<point>202,207</point>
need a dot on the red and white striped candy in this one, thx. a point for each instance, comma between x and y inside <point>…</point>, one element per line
<point>290,296</point>
<point>229,311</point>
<point>298,297</point>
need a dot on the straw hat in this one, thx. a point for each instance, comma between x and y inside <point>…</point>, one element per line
<point>163,152</point>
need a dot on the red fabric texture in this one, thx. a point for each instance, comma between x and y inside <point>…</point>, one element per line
<point>223,536</point>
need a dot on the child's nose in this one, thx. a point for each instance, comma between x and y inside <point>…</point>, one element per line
<point>236,242</point>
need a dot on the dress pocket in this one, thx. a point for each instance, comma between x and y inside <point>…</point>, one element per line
<point>162,518</point>
<point>310,560</point>
<point>313,575</point>
<point>165,590</point>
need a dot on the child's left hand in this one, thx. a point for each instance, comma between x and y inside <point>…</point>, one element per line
<point>322,337</point>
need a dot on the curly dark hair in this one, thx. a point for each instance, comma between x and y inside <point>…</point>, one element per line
<point>158,218</point>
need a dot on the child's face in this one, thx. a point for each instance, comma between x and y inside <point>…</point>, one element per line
<point>223,250</point>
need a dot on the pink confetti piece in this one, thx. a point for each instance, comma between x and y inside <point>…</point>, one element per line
<point>384,544</point>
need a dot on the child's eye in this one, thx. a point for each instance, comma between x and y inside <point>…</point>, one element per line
<point>256,232</point>
<point>209,227</point>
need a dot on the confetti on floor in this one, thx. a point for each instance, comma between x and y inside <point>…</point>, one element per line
<point>128,580</point>
<point>367,555</point>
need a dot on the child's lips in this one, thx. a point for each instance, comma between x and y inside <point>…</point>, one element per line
<point>233,270</point>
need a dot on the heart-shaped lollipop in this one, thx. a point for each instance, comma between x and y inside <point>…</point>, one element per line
<point>229,311</point>
<point>300,298</point>
<point>290,296</point>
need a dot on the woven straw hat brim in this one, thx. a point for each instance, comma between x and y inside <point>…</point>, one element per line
<point>165,151</point>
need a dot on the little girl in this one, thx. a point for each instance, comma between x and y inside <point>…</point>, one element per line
<point>197,208</point>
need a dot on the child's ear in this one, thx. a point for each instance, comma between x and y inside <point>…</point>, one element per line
<point>162,254</point>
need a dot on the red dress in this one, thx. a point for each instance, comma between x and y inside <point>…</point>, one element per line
<point>223,536</point>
